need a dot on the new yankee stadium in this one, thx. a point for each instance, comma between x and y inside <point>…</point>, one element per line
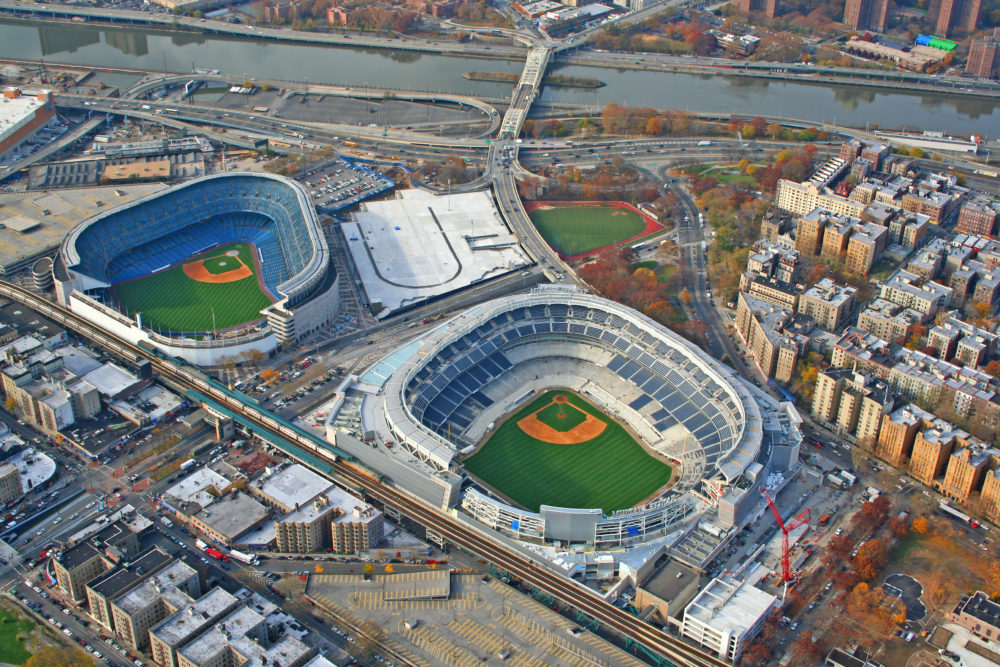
<point>560,415</point>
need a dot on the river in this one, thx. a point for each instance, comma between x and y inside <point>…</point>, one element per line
<point>181,52</point>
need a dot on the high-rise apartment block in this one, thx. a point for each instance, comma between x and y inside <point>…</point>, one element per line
<point>768,7</point>
<point>951,15</point>
<point>867,14</point>
<point>984,57</point>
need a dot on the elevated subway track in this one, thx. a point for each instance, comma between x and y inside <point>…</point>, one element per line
<point>463,535</point>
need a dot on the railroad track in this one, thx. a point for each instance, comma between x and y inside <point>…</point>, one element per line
<point>479,542</point>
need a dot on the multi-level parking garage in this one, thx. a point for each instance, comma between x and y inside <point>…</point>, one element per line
<point>270,212</point>
<point>440,397</point>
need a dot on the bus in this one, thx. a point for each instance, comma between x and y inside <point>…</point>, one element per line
<point>350,143</point>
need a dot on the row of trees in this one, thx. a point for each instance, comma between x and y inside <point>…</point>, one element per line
<point>616,119</point>
<point>613,181</point>
<point>664,33</point>
<point>613,276</point>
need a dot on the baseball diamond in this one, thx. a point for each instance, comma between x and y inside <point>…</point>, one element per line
<point>579,229</point>
<point>580,459</point>
<point>224,282</point>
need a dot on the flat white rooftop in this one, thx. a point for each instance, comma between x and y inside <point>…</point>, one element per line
<point>421,245</point>
<point>193,488</point>
<point>729,607</point>
<point>35,467</point>
<point>14,111</point>
<point>294,485</point>
<point>110,380</point>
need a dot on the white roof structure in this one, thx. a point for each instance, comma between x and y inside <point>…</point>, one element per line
<point>110,380</point>
<point>294,485</point>
<point>194,487</point>
<point>36,467</point>
<point>725,611</point>
<point>422,245</point>
<point>16,112</point>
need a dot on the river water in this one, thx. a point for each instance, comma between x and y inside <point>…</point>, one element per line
<point>182,52</point>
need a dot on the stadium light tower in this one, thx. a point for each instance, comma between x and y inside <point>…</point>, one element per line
<point>787,575</point>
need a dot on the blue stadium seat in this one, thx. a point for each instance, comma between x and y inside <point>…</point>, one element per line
<point>641,402</point>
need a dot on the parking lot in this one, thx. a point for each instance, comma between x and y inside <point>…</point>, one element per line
<point>341,183</point>
<point>400,114</point>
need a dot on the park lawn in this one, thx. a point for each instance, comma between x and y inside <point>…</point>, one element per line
<point>13,627</point>
<point>611,471</point>
<point>575,231</point>
<point>723,173</point>
<point>728,178</point>
<point>934,558</point>
<point>171,301</point>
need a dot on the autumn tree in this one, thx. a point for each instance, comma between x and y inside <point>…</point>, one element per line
<point>846,581</point>
<point>920,525</point>
<point>269,376</point>
<point>872,513</point>
<point>818,272</point>
<point>871,607</point>
<point>899,526</point>
<point>839,546</point>
<point>806,651</point>
<point>56,656</point>
<point>871,558</point>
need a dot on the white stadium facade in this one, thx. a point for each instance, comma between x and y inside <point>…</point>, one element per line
<point>441,395</point>
<point>270,212</point>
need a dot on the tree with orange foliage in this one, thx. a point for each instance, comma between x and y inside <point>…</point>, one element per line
<point>871,607</point>
<point>644,275</point>
<point>818,272</point>
<point>898,527</point>
<point>920,525</point>
<point>757,653</point>
<point>872,557</point>
<point>872,513</point>
<point>806,651</point>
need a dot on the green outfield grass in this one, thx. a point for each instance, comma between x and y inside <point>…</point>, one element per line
<point>612,471</point>
<point>170,300</point>
<point>562,417</point>
<point>574,231</point>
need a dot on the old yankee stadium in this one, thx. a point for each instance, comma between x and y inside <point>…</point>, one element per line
<point>559,416</point>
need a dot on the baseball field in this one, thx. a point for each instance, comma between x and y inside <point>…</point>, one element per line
<point>576,229</point>
<point>560,450</point>
<point>182,297</point>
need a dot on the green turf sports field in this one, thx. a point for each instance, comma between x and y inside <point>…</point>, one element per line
<point>611,471</point>
<point>170,300</point>
<point>574,231</point>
